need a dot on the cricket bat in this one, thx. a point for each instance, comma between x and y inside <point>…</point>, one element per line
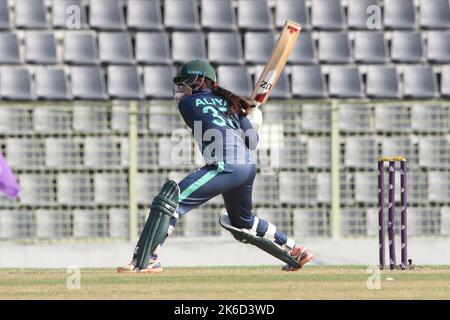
<point>274,67</point>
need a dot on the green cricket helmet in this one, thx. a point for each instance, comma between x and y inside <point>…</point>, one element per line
<point>195,68</point>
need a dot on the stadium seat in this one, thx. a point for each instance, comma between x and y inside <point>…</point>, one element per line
<point>280,217</point>
<point>203,221</point>
<point>282,88</point>
<point>75,189</point>
<point>258,47</point>
<point>52,224</point>
<point>236,79</point>
<point>399,145</point>
<point>334,47</point>
<point>149,185</point>
<point>294,10</point>
<point>439,186</point>
<point>438,47</point>
<point>174,154</point>
<point>144,15</point>
<point>364,188</point>
<point>345,82</point>
<point>158,81</point>
<point>36,189</point>
<point>355,118</point>
<point>187,46</point>
<point>288,120</point>
<point>358,14</point>
<point>297,188</point>
<point>311,223</point>
<point>152,48</point>
<point>80,48</point>
<point>4,15</point>
<point>25,153</point>
<point>63,153</point>
<point>119,117</point>
<point>115,48</point>
<point>399,14</point>
<point>88,83</point>
<point>434,14</point>
<point>124,82</point>
<point>106,15</point>
<point>51,84</point>
<point>327,15</point>
<point>266,189</point>
<point>390,118</point>
<point>218,15</point>
<point>15,84</point>
<point>52,120</point>
<point>419,82</point>
<point>360,152</point>
<point>16,224</point>
<point>370,47</point>
<point>318,152</point>
<point>101,152</point>
<point>164,119</point>
<point>40,48</point>
<point>316,118</point>
<point>88,223</point>
<point>147,153</point>
<point>225,48</point>
<point>65,14</point>
<point>9,48</point>
<point>304,51</point>
<point>382,82</point>
<point>406,47</point>
<point>15,120</point>
<point>423,221</point>
<point>308,82</point>
<point>323,194</point>
<point>352,222</point>
<point>111,188</point>
<point>429,119</point>
<point>445,221</point>
<point>434,152</point>
<point>119,223</point>
<point>30,14</point>
<point>445,81</point>
<point>181,14</point>
<point>90,119</point>
<point>254,15</point>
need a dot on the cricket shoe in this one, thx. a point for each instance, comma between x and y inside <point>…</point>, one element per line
<point>154,265</point>
<point>128,268</point>
<point>302,255</point>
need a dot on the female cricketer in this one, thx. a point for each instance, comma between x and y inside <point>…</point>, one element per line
<point>225,127</point>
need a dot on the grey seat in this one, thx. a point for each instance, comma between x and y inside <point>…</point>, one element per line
<point>119,223</point>
<point>63,153</point>
<point>318,152</point>
<point>187,46</point>
<point>327,14</point>
<point>152,48</point>
<point>53,224</point>
<point>280,217</point>
<point>434,14</point>
<point>282,88</point>
<point>355,118</point>
<point>30,14</point>
<point>304,51</point>
<point>148,184</point>
<point>88,83</point>
<point>63,12</point>
<point>399,146</point>
<point>445,81</point>
<point>75,189</point>
<point>15,84</point>
<point>37,189</point>
<point>218,15</point>
<point>4,15</point>
<point>40,48</point>
<point>353,222</point>
<point>438,47</point>
<point>88,223</point>
<point>358,15</point>
<point>287,121</point>
<point>9,48</point>
<point>429,119</point>
<point>345,82</point>
<point>25,153</point>
<point>258,46</point>
<point>445,221</point>
<point>308,82</point>
<point>101,152</point>
<point>254,15</point>
<point>382,82</point>
<point>90,119</point>
<point>15,120</point>
<point>323,192</point>
<point>360,152</point>
<point>225,48</point>
<point>119,117</point>
<point>406,47</point>
<point>147,153</point>
<point>168,155</point>
<point>124,82</point>
<point>115,47</point>
<point>390,118</point>
<point>158,81</point>
<point>294,10</point>
<point>311,223</point>
<point>144,15</point>
<point>434,152</point>
<point>370,47</point>
<point>111,189</point>
<point>266,190</point>
<point>297,188</point>
<point>236,79</point>
<point>106,15</point>
<point>364,190</point>
<point>80,48</point>
<point>334,47</point>
<point>399,14</point>
<point>181,14</point>
<point>16,224</point>
<point>423,221</point>
<point>51,84</point>
<point>52,120</point>
<point>164,118</point>
<point>203,221</point>
<point>419,82</point>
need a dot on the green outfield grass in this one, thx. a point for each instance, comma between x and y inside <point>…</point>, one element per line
<point>312,282</point>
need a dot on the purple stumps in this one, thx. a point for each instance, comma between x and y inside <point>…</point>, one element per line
<point>391,213</point>
<point>404,214</point>
<point>381,217</point>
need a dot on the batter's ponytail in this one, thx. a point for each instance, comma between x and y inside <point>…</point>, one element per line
<point>235,102</point>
